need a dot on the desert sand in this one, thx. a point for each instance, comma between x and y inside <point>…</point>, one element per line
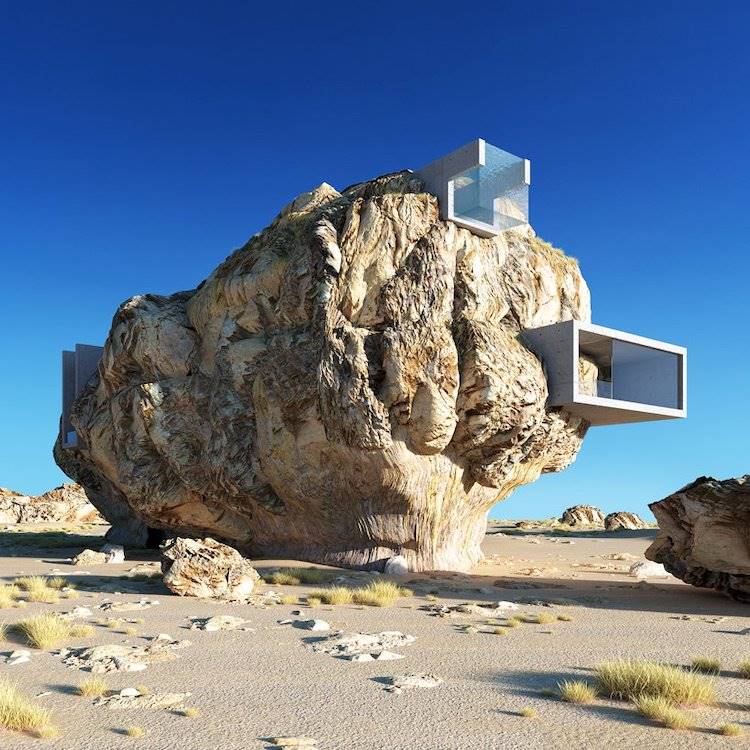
<point>266,680</point>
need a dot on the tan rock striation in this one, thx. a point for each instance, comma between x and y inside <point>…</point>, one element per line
<point>704,534</point>
<point>347,387</point>
<point>67,503</point>
<point>582,515</point>
<point>623,520</point>
<point>207,569</point>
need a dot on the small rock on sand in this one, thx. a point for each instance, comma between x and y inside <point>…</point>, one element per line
<point>219,622</point>
<point>648,569</point>
<point>413,680</point>
<point>293,741</point>
<point>312,624</point>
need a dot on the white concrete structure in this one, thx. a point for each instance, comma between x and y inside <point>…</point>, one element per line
<point>610,377</point>
<point>77,368</point>
<point>480,187</point>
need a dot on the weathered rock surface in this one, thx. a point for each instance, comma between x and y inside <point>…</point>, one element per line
<point>67,503</point>
<point>362,646</point>
<point>624,520</point>
<point>207,569</point>
<point>704,534</point>
<point>582,515</point>
<point>348,387</point>
<point>119,658</point>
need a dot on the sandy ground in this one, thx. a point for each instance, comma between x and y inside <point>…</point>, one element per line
<point>249,685</point>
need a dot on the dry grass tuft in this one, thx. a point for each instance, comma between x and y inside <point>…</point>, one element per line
<point>44,631</point>
<point>57,583</point>
<point>47,733</point>
<point>70,593</point>
<point>730,730</point>
<point>190,712</point>
<point>544,618</point>
<point>632,678</point>
<point>143,689</point>
<point>289,599</point>
<point>431,598</point>
<point>333,595</point>
<point>565,618</point>
<point>660,709</point>
<point>114,624</point>
<point>706,664</point>
<point>528,713</point>
<point>93,687</point>
<point>514,622</point>
<point>8,595</point>
<point>18,713</point>
<point>130,630</point>
<point>314,601</point>
<point>744,668</point>
<point>135,731</point>
<point>379,594</point>
<point>81,630</point>
<point>577,691</point>
<point>297,576</point>
<point>499,631</point>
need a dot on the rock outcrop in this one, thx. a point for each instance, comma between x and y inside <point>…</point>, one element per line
<point>348,387</point>
<point>582,515</point>
<point>207,569</point>
<point>624,520</point>
<point>704,535</point>
<point>67,503</point>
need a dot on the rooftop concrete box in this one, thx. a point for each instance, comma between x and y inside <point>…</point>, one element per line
<point>480,187</point>
<point>608,376</point>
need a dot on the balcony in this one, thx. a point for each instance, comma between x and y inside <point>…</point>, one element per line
<point>608,376</point>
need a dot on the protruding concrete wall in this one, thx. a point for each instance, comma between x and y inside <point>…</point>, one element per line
<point>77,369</point>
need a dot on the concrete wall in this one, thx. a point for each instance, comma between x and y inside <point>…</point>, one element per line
<point>77,369</point>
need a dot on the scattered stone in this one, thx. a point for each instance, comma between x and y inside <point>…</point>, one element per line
<point>703,535</point>
<point>293,741</point>
<point>471,608</point>
<point>623,556</point>
<point>115,553</point>
<point>206,569</point>
<point>312,624</point>
<point>624,520</point>
<point>352,646</point>
<point>134,699</point>
<point>109,606</point>
<point>118,658</point>
<point>77,613</point>
<point>647,569</point>
<point>582,515</point>
<point>413,680</point>
<point>19,656</point>
<point>89,557</point>
<point>396,566</point>
<point>218,622</point>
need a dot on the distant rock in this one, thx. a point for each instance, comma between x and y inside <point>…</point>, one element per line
<point>414,680</point>
<point>206,569</point>
<point>582,515</point>
<point>704,535</point>
<point>218,622</point>
<point>362,646</point>
<point>120,658</point>
<point>90,557</point>
<point>67,503</point>
<point>624,520</point>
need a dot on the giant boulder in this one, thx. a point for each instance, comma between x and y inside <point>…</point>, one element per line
<point>704,534</point>
<point>347,387</point>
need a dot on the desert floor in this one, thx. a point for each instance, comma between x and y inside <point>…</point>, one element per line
<point>266,680</point>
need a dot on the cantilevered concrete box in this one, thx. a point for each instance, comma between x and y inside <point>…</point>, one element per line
<point>608,376</point>
<point>77,368</point>
<point>480,187</point>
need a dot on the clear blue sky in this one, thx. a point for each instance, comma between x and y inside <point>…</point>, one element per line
<point>142,142</point>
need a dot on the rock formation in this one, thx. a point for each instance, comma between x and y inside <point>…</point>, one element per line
<point>624,520</point>
<point>64,504</point>
<point>349,386</point>
<point>207,569</point>
<point>582,515</point>
<point>704,534</point>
